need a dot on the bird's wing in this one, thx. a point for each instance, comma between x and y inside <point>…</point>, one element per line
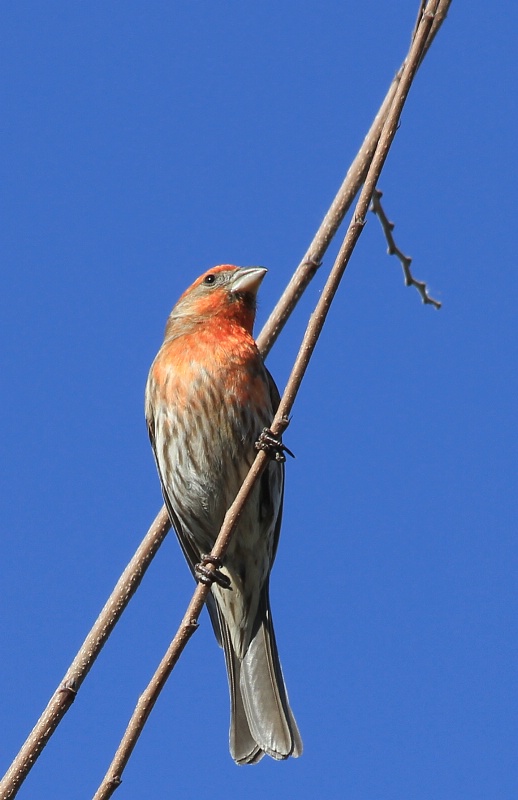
<point>191,555</point>
<point>265,479</point>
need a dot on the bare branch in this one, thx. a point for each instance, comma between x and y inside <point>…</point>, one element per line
<point>394,250</point>
<point>146,702</point>
<point>65,694</point>
<point>129,581</point>
<point>341,203</point>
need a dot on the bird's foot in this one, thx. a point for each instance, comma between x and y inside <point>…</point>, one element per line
<point>272,445</point>
<point>210,576</point>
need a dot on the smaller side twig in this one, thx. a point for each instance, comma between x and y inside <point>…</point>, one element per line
<point>393,250</point>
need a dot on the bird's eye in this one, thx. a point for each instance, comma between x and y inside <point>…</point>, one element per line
<point>209,279</point>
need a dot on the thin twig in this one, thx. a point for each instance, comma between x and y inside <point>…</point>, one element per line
<point>146,702</point>
<point>393,250</point>
<point>127,584</point>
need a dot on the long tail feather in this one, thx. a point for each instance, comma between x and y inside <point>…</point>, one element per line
<point>261,717</point>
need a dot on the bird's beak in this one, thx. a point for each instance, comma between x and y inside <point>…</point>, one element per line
<point>248,280</point>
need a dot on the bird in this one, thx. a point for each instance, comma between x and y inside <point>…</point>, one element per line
<point>208,398</point>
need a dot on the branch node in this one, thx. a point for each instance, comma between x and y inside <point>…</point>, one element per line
<point>313,262</point>
<point>69,688</point>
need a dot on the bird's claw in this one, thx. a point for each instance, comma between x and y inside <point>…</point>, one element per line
<point>210,576</point>
<point>272,445</point>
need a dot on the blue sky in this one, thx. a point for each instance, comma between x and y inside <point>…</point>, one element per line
<point>143,143</point>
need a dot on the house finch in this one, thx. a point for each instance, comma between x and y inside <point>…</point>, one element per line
<point>208,397</point>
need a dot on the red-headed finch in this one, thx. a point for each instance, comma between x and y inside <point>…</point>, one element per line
<point>208,398</point>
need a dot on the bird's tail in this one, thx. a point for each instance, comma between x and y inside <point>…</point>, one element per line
<point>261,718</point>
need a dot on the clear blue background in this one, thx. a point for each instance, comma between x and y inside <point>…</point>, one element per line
<point>142,143</point>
